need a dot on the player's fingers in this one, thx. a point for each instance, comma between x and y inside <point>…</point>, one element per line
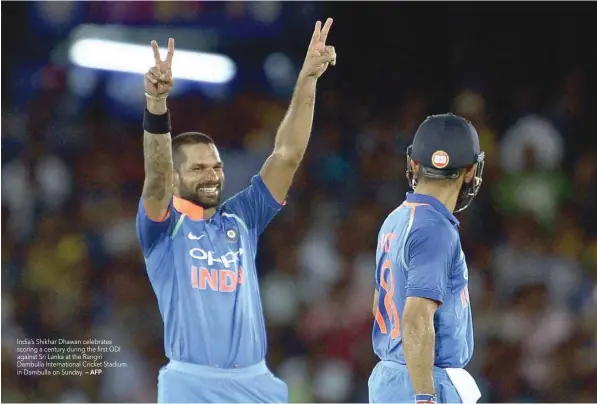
<point>164,88</point>
<point>322,60</point>
<point>331,51</point>
<point>156,52</point>
<point>151,78</point>
<point>326,29</point>
<point>170,50</point>
<point>316,33</point>
<point>168,77</point>
<point>160,75</point>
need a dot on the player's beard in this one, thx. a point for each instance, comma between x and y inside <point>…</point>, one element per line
<point>200,198</point>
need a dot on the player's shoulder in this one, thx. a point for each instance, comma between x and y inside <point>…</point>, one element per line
<point>229,215</point>
<point>417,215</point>
<point>230,208</point>
<point>418,223</point>
<point>426,216</point>
<point>430,226</point>
<point>239,199</point>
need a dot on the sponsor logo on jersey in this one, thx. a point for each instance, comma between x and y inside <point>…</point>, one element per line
<point>227,260</point>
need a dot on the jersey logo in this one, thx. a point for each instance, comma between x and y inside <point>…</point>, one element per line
<point>232,235</point>
<point>193,237</point>
<point>440,159</point>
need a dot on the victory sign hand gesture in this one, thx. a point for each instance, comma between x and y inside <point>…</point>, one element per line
<point>319,55</point>
<point>158,80</point>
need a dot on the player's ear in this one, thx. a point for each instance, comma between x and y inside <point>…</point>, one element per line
<point>415,166</point>
<point>469,174</point>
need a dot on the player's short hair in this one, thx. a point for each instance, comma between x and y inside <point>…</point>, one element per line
<point>185,139</point>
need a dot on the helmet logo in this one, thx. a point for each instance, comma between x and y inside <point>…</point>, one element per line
<point>440,159</point>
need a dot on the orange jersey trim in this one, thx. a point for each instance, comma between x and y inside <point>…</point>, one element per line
<point>193,212</point>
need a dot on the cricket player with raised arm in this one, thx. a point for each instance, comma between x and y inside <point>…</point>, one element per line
<point>200,254</point>
<point>423,331</point>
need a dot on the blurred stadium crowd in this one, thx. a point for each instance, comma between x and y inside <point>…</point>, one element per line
<point>72,268</point>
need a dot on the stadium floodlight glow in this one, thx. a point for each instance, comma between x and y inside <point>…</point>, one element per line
<point>131,58</point>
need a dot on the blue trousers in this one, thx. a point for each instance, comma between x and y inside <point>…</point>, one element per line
<point>180,382</point>
<point>390,383</point>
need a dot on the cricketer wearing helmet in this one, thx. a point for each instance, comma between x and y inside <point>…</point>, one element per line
<point>423,332</point>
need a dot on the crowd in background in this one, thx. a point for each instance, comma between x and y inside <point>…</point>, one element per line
<point>72,267</point>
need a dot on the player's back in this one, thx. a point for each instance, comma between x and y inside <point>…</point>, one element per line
<point>420,227</point>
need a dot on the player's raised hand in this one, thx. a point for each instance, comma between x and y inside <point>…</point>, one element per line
<point>319,55</point>
<point>158,80</point>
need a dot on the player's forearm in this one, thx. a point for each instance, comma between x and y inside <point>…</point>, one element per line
<point>295,130</point>
<point>418,339</point>
<point>157,149</point>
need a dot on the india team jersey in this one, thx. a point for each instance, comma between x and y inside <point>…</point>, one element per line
<point>419,254</point>
<point>204,276</point>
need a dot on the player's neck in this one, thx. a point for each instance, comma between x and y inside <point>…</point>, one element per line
<point>446,195</point>
<point>208,213</point>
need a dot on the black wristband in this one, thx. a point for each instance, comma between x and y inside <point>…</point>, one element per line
<point>157,124</point>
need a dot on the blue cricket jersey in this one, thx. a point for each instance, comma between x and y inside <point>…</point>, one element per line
<point>204,276</point>
<point>419,254</point>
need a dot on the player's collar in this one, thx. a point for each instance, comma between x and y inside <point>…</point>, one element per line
<point>193,212</point>
<point>434,203</point>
